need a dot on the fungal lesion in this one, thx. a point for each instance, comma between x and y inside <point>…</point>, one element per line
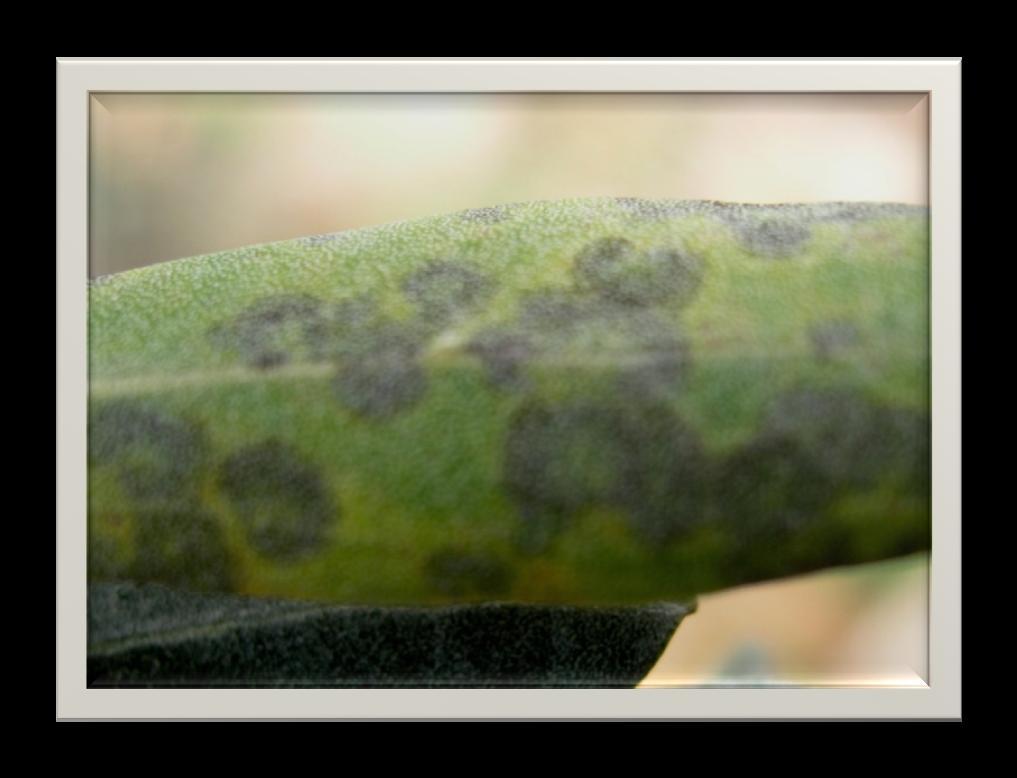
<point>184,546</point>
<point>771,231</point>
<point>640,457</point>
<point>611,321</point>
<point>443,290</point>
<point>281,499</point>
<point>615,269</point>
<point>375,356</point>
<point>773,237</point>
<point>626,448</point>
<point>636,351</point>
<point>607,321</point>
<point>147,521</point>
<point>854,440</point>
<point>562,458</point>
<point>770,487</point>
<point>158,455</point>
<point>786,231</point>
<point>379,372</point>
<point>379,358</point>
<point>812,447</point>
<point>492,214</point>
<point>276,330</point>
<point>503,352</point>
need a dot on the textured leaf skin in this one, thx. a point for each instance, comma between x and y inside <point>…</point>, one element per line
<point>590,402</point>
<point>152,636</point>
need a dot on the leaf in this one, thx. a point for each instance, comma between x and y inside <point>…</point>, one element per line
<point>586,402</point>
<point>144,636</point>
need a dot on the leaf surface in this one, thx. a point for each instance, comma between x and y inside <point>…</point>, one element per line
<point>586,402</point>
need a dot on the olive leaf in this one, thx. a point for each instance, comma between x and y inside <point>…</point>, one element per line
<point>586,402</point>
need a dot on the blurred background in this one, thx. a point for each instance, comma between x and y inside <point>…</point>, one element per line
<point>175,175</point>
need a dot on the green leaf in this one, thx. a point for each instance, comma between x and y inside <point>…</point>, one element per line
<point>586,402</point>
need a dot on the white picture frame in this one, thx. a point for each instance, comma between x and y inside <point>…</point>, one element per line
<point>77,78</point>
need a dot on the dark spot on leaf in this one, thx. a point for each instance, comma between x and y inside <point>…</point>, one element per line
<point>488,215</point>
<point>183,547</point>
<point>379,374</point>
<point>645,354</point>
<point>830,338</point>
<point>353,315</point>
<point>353,325</point>
<point>837,440</point>
<point>280,499</point>
<point>616,270</point>
<point>551,309</point>
<point>750,214</point>
<point>564,457</point>
<point>380,386</point>
<point>272,330</point>
<point>651,209</point>
<point>658,359</point>
<point>856,212</point>
<point>665,488</point>
<point>444,289</point>
<point>503,354</point>
<point>458,573</point>
<point>771,487</point>
<point>560,459</point>
<point>773,238</point>
<point>157,454</point>
<point>847,436</point>
<point>562,329</point>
